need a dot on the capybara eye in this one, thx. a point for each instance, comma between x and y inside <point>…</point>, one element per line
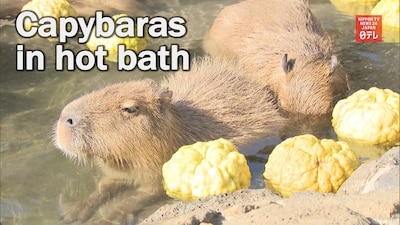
<point>130,106</point>
<point>133,109</point>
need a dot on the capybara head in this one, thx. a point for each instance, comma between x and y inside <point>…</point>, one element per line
<point>119,124</point>
<point>312,85</point>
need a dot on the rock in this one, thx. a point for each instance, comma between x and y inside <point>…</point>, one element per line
<point>301,208</point>
<point>242,201</point>
<point>370,196</point>
<point>375,176</point>
<point>379,207</point>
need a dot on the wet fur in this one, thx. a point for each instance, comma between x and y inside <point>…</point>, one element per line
<point>132,128</point>
<point>259,33</point>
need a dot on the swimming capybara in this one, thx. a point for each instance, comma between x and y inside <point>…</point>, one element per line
<point>132,128</point>
<point>283,46</point>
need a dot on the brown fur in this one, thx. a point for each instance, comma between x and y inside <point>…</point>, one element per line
<point>134,127</point>
<point>260,32</point>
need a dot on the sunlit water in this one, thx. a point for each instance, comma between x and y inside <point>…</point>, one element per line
<point>34,173</point>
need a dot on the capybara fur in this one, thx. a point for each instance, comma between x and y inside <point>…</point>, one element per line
<point>283,46</point>
<point>132,128</point>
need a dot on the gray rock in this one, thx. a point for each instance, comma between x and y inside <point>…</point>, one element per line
<point>370,196</point>
<point>208,210</point>
<point>375,176</point>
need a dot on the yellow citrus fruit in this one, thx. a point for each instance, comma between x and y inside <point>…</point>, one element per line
<point>110,44</point>
<point>52,8</point>
<point>355,7</point>
<point>390,11</point>
<point>204,169</point>
<point>307,163</point>
<point>368,117</point>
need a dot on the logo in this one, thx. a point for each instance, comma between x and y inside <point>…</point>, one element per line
<point>369,28</point>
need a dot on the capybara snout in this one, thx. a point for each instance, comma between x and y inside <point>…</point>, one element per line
<point>112,123</point>
<point>69,118</point>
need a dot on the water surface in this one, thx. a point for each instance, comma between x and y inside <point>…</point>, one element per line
<point>34,173</point>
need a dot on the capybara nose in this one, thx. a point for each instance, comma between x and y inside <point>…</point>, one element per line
<point>71,115</point>
<point>71,121</point>
<point>66,127</point>
<point>69,118</point>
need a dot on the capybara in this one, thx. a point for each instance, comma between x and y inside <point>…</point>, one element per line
<point>283,46</point>
<point>132,128</point>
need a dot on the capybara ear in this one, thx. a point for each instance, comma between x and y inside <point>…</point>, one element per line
<point>334,63</point>
<point>163,94</point>
<point>287,66</point>
<point>284,64</point>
